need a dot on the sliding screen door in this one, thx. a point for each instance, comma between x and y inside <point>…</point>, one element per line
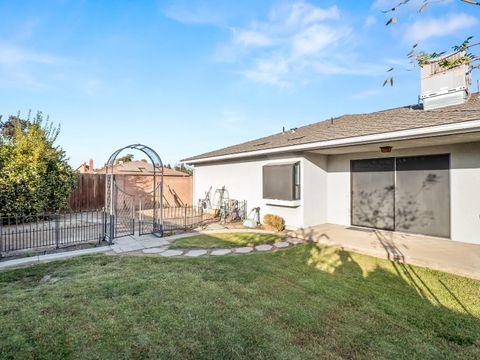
<point>373,193</point>
<point>423,195</point>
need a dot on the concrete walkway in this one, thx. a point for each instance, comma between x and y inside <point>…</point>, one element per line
<point>440,254</point>
<point>154,246</point>
<point>436,253</point>
<point>30,260</point>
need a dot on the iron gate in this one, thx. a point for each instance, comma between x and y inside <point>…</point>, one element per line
<point>150,214</point>
<point>124,209</point>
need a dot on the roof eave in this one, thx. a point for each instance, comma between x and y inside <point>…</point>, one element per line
<point>446,129</point>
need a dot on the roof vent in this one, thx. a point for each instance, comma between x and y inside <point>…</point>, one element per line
<point>442,86</point>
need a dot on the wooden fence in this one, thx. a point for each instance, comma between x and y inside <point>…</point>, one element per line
<point>89,194</point>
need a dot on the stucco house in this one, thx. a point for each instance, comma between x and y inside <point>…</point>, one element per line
<point>414,169</point>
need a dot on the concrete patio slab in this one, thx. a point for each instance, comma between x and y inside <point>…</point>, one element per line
<point>436,253</point>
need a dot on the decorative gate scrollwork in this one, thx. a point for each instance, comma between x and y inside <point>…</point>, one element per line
<point>122,210</point>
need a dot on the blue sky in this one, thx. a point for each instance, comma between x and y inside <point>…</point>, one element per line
<point>189,76</point>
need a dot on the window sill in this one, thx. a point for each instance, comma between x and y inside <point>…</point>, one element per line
<point>283,203</point>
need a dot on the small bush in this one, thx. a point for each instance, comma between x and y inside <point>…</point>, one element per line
<point>274,221</point>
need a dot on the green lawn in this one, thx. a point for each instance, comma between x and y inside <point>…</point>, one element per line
<point>225,240</point>
<point>306,302</point>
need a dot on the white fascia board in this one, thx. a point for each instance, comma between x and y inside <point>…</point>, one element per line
<point>447,129</point>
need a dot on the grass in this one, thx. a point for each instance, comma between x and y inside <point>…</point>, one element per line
<point>307,302</point>
<point>225,240</point>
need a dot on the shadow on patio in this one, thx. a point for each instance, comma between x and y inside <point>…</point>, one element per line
<point>436,253</point>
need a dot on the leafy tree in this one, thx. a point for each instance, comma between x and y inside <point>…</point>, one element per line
<point>126,158</point>
<point>34,174</point>
<point>185,169</point>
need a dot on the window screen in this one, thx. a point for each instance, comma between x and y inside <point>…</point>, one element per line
<point>281,182</point>
<point>373,193</point>
<point>423,195</point>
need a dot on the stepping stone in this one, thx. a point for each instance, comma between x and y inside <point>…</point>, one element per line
<point>294,241</point>
<point>244,250</point>
<point>195,253</point>
<point>154,250</point>
<point>263,247</point>
<point>281,244</point>
<point>220,252</point>
<point>169,253</point>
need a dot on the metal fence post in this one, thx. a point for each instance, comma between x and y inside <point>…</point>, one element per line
<point>112,229</point>
<point>185,218</point>
<point>104,225</point>
<point>1,237</point>
<point>57,230</point>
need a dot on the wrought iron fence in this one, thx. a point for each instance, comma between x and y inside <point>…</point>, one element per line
<point>21,232</point>
<point>175,219</point>
<point>189,217</point>
<point>57,230</point>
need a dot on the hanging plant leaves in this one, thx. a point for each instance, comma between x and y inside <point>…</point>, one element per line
<point>472,2</point>
<point>396,6</point>
<point>388,81</point>
<point>387,11</point>
<point>392,20</point>
<point>423,8</point>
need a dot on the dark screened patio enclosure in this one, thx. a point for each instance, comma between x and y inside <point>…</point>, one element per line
<point>409,194</point>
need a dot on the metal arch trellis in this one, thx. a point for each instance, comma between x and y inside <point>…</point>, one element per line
<point>111,206</point>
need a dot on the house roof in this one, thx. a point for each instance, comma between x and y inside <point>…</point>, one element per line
<point>347,126</point>
<point>138,167</point>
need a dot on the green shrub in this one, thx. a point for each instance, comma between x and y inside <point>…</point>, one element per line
<point>35,176</point>
<point>274,221</point>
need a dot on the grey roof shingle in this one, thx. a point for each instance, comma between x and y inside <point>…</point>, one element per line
<point>403,118</point>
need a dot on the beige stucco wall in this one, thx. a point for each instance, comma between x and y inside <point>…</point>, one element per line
<point>243,181</point>
<point>464,186</point>
<point>325,194</point>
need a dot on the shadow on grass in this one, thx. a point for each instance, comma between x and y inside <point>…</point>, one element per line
<point>310,301</point>
<point>427,299</point>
